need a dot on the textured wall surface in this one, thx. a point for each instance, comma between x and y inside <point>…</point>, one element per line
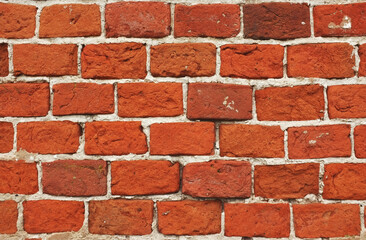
<point>182,119</point>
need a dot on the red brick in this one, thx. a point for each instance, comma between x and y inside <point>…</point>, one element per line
<point>114,138</point>
<point>286,181</point>
<point>4,60</point>
<point>189,217</point>
<point>144,177</point>
<point>51,137</point>
<point>219,178</point>
<point>150,99</point>
<point>48,216</point>
<point>17,21</point>
<point>114,60</point>
<point>322,60</point>
<point>240,140</point>
<point>45,60</point>
<point>8,217</point>
<point>121,217</point>
<point>207,20</point>
<point>290,103</point>
<point>319,141</point>
<point>6,137</point>
<point>276,20</point>
<point>256,61</point>
<point>70,20</point>
<point>24,99</point>
<point>183,59</point>
<point>360,141</point>
<point>18,177</point>
<point>137,19</point>
<point>362,54</point>
<point>326,220</point>
<point>219,101</point>
<point>190,138</point>
<point>257,220</point>
<point>83,98</point>
<point>75,178</point>
<point>340,20</point>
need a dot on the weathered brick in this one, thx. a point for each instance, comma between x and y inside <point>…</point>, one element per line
<point>114,138</point>
<point>276,20</point>
<point>256,61</point>
<point>290,103</point>
<point>75,178</point>
<point>221,179</point>
<point>24,99</point>
<point>8,217</point>
<point>189,217</point>
<point>144,177</point>
<point>114,60</point>
<point>83,98</point>
<point>150,99</point>
<point>326,220</point>
<point>257,220</point>
<point>219,101</point>
<point>319,141</point>
<point>4,60</point>
<point>121,217</point>
<point>6,137</point>
<point>321,60</point>
<point>191,138</point>
<point>18,177</point>
<point>48,216</point>
<point>286,181</point>
<point>137,19</point>
<point>51,137</point>
<point>240,140</point>
<point>17,21</point>
<point>360,141</point>
<point>70,20</point>
<point>362,55</point>
<point>183,59</point>
<point>207,20</point>
<point>45,60</point>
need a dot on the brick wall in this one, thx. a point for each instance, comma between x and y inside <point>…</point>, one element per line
<point>220,119</point>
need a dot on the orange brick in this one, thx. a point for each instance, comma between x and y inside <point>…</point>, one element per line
<point>360,141</point>
<point>6,137</point>
<point>8,217</point>
<point>4,60</point>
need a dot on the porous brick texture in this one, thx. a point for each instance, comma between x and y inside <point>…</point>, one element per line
<point>182,119</point>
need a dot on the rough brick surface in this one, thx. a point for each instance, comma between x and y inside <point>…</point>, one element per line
<point>220,179</point>
<point>276,20</point>
<point>362,54</point>
<point>52,137</point>
<point>114,138</point>
<point>239,140</point>
<point>360,141</point>
<point>24,99</point>
<point>326,220</point>
<point>122,217</point>
<point>255,61</point>
<point>75,177</point>
<point>8,217</point>
<point>182,138</point>
<point>319,141</point>
<point>83,98</point>
<point>4,60</point>
<point>286,181</point>
<point>114,60</point>
<point>150,99</point>
<point>207,20</point>
<point>6,137</point>
<point>257,220</point>
<point>47,216</point>
<point>323,60</point>
<point>297,103</point>
<point>137,19</point>
<point>340,20</point>
<point>17,21</point>
<point>219,101</point>
<point>183,59</point>
<point>45,60</point>
<point>189,217</point>
<point>144,177</point>
<point>18,177</point>
<point>70,20</point>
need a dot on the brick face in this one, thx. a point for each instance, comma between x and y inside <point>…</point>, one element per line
<point>4,60</point>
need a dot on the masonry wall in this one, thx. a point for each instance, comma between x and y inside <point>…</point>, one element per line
<point>191,119</point>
